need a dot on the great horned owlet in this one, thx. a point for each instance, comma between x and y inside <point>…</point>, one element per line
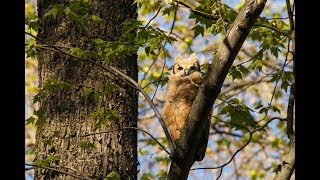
<point>182,88</point>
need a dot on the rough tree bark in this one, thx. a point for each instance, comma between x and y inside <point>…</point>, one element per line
<point>286,168</point>
<point>194,135</point>
<point>67,112</point>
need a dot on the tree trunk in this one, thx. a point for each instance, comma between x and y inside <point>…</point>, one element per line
<point>67,111</point>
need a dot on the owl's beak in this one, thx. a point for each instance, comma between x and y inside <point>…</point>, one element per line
<point>186,72</point>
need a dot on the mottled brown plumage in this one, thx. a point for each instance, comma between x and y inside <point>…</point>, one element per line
<point>182,88</point>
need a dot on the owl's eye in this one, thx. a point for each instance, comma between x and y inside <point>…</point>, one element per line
<point>180,68</point>
<point>193,68</point>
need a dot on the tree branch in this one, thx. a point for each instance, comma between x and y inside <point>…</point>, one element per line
<point>290,14</point>
<point>127,79</point>
<point>192,144</point>
<point>58,170</point>
<point>153,16</point>
<point>243,146</point>
<point>290,113</point>
<point>275,29</point>
<point>138,129</point>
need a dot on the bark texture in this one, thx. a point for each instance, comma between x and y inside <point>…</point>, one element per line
<point>67,112</point>
<point>286,168</point>
<point>193,142</point>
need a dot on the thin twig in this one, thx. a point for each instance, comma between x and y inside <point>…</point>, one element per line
<point>150,67</point>
<point>73,169</point>
<point>277,81</point>
<point>253,57</point>
<point>274,28</point>
<point>164,64</point>
<point>220,14</point>
<point>221,169</point>
<point>217,131</point>
<point>242,147</point>
<point>153,17</point>
<point>182,39</point>
<point>256,82</point>
<point>57,170</point>
<point>278,18</point>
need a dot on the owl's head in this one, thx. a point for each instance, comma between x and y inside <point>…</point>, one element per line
<point>185,67</point>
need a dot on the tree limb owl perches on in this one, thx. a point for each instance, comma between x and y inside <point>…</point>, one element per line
<point>182,88</point>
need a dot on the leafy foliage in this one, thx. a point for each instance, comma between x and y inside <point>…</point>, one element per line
<point>104,116</point>
<point>240,117</point>
<point>50,160</point>
<point>87,145</point>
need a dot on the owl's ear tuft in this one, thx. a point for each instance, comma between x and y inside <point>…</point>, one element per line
<point>173,69</point>
<point>198,66</point>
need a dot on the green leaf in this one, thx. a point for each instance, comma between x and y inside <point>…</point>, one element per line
<point>96,95</point>
<point>146,176</point>
<point>30,120</point>
<point>40,122</point>
<point>54,11</point>
<point>109,88</point>
<point>274,51</point>
<point>112,115</point>
<point>113,176</point>
<point>225,110</point>
<point>41,163</point>
<point>38,97</point>
<point>198,30</point>
<point>87,145</point>
<point>275,109</point>
<point>52,159</point>
<point>263,110</point>
<point>285,85</point>
<point>234,101</point>
<point>34,25</point>
<point>39,112</point>
<point>67,10</point>
<point>243,70</point>
<point>147,50</point>
<point>98,41</point>
<point>236,75</point>
<point>96,18</point>
<point>259,106</point>
<point>168,10</point>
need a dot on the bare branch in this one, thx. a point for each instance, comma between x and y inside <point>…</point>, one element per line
<point>243,146</point>
<point>138,129</point>
<point>57,170</point>
<point>73,169</point>
<point>154,16</point>
<point>275,29</point>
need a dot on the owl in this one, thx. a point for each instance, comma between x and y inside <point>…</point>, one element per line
<point>183,85</point>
